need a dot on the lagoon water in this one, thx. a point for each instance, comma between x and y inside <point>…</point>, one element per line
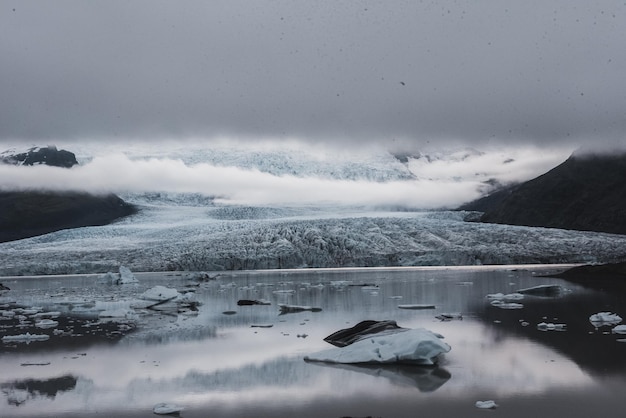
<point>227,360</point>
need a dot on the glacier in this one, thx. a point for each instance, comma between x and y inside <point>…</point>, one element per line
<point>196,231</point>
<point>196,237</point>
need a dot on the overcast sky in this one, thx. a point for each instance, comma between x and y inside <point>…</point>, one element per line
<point>391,72</point>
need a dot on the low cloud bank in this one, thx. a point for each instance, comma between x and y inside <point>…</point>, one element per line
<point>118,173</point>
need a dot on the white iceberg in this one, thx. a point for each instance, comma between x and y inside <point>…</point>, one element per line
<point>619,329</point>
<point>160,294</point>
<point>548,326</point>
<point>126,276</point>
<point>167,408</point>
<point>604,319</point>
<point>47,323</point>
<point>506,305</point>
<point>411,346</point>
<point>486,404</point>
<point>25,338</point>
<point>117,313</point>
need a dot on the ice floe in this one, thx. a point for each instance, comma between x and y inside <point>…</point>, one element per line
<point>125,276</point>
<point>25,338</point>
<point>47,323</point>
<point>604,319</point>
<point>404,346</point>
<point>506,305</point>
<point>167,408</point>
<point>160,294</point>
<point>548,326</point>
<point>619,329</point>
<point>486,404</point>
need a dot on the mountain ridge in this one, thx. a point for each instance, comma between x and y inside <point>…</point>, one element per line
<point>586,193</point>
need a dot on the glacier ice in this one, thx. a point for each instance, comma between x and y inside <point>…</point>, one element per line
<point>486,404</point>
<point>406,346</point>
<point>162,238</point>
<point>604,319</point>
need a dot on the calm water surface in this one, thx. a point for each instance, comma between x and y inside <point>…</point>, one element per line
<point>219,365</point>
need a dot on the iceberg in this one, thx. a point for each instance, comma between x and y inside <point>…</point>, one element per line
<point>25,338</point>
<point>160,294</point>
<point>47,323</point>
<point>619,329</point>
<point>417,346</point>
<point>601,319</point>
<point>486,404</point>
<point>167,409</point>
<point>548,326</point>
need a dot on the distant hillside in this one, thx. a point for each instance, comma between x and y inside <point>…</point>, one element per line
<point>25,214</point>
<point>586,192</point>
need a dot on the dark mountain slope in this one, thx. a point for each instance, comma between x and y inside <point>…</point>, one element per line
<point>586,192</point>
<point>25,214</point>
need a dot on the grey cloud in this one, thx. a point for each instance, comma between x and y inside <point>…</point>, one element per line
<point>472,72</point>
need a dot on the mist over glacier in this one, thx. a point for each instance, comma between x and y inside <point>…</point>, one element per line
<point>297,174</point>
<point>225,207</point>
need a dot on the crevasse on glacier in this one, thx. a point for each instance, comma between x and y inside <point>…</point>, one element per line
<point>198,237</point>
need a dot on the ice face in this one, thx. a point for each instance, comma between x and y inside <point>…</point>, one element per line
<point>189,238</point>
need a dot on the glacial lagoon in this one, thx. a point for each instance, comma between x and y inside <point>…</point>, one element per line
<point>216,358</point>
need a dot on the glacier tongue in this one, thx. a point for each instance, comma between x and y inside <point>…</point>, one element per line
<point>201,238</point>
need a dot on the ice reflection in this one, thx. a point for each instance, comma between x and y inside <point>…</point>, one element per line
<point>425,379</point>
<point>214,358</point>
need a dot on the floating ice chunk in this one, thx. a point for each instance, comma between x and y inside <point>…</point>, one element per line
<point>117,313</point>
<point>160,294</point>
<point>506,305</point>
<point>410,346</point>
<point>53,314</point>
<point>284,292</point>
<point>47,323</point>
<point>7,314</point>
<point>17,396</point>
<point>126,276</point>
<point>25,338</point>
<point>502,296</point>
<point>486,404</point>
<point>604,319</point>
<point>416,306</point>
<point>449,316</point>
<point>619,329</point>
<point>548,326</point>
<point>167,408</point>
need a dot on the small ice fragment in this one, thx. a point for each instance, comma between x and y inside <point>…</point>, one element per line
<point>604,318</point>
<point>28,337</point>
<point>47,323</point>
<point>486,404</point>
<point>619,329</point>
<point>167,408</point>
<point>159,293</point>
<point>548,326</point>
<point>126,276</point>
<point>506,305</point>
<point>53,314</point>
